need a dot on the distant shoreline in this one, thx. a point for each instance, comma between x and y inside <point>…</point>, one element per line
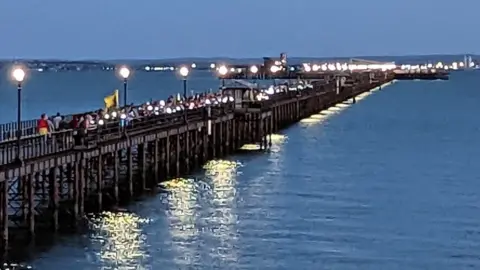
<point>204,63</point>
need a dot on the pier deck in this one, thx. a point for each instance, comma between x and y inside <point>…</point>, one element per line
<point>57,183</point>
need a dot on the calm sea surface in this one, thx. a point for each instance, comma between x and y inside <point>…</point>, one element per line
<point>391,182</point>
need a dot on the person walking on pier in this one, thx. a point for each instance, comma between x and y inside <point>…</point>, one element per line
<point>51,126</point>
<point>42,125</point>
<point>63,125</point>
<point>56,121</point>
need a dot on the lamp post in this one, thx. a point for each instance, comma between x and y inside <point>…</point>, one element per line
<point>274,69</point>
<point>18,75</point>
<point>124,73</point>
<point>184,73</point>
<point>223,70</point>
<point>254,71</point>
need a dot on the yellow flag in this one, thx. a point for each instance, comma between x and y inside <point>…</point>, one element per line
<point>111,101</point>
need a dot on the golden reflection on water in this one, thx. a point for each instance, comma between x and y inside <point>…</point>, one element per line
<point>121,239</point>
<point>222,175</point>
<point>276,140</point>
<point>15,266</point>
<point>250,147</point>
<point>325,114</point>
<point>182,202</point>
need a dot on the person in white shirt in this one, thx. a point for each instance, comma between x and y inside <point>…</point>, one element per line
<point>56,121</point>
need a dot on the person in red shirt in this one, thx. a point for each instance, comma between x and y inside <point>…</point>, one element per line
<point>74,122</point>
<point>42,125</point>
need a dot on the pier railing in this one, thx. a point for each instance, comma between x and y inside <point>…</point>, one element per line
<point>8,131</point>
<point>37,146</point>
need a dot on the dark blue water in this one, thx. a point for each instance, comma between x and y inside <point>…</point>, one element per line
<point>388,183</point>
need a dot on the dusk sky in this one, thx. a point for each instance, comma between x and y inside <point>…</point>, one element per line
<point>153,29</point>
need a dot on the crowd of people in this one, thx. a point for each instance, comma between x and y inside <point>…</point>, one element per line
<point>90,121</point>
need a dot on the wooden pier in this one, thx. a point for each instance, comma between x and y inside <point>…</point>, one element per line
<point>422,75</point>
<point>58,182</point>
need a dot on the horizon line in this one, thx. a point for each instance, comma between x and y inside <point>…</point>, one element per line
<point>225,57</point>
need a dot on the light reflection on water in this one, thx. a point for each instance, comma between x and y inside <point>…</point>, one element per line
<point>222,175</point>
<point>181,201</point>
<point>190,223</point>
<point>203,210</point>
<point>120,240</point>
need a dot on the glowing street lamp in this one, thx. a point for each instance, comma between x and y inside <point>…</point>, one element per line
<point>124,73</point>
<point>184,73</point>
<point>307,68</point>
<point>18,75</point>
<point>254,71</point>
<point>274,69</point>
<point>223,70</point>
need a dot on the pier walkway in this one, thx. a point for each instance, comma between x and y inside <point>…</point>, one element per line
<point>305,71</point>
<point>59,180</point>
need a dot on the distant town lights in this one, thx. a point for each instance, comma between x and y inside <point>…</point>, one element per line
<point>124,72</point>
<point>254,69</point>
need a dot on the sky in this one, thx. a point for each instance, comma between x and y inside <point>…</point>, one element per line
<point>157,29</point>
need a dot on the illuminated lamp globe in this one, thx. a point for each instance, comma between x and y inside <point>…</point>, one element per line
<point>184,71</point>
<point>253,69</point>
<point>18,75</point>
<point>274,69</point>
<point>124,72</point>
<point>223,70</point>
